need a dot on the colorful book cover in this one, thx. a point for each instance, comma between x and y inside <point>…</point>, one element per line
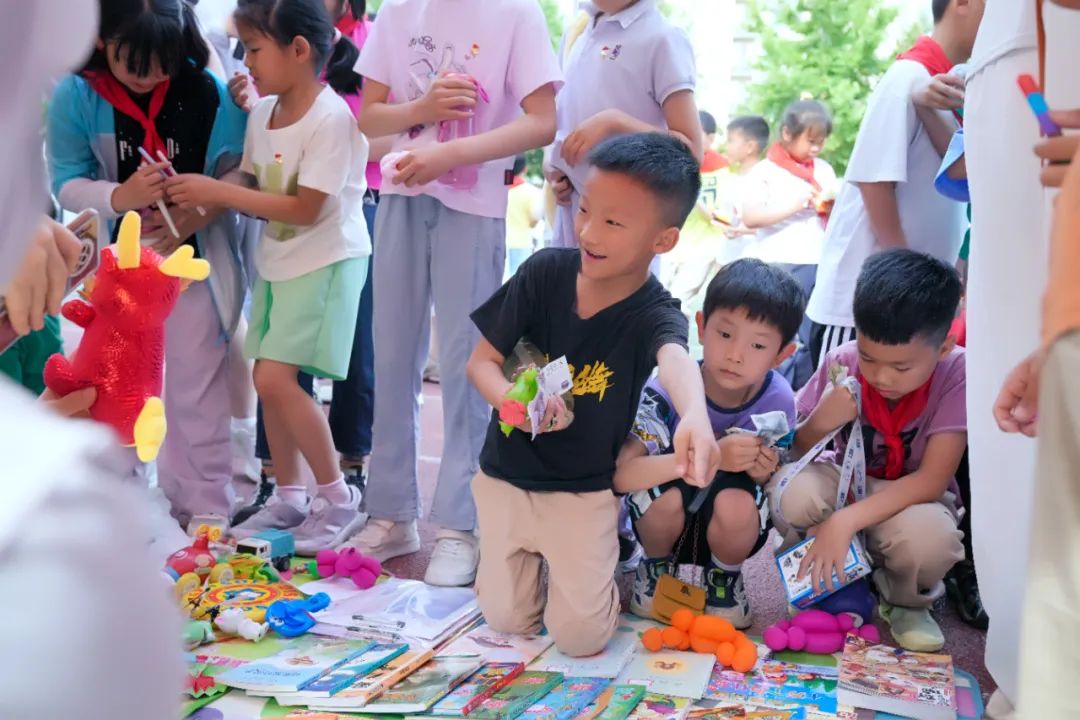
<point>624,698</point>
<point>484,683</point>
<point>567,700</point>
<point>236,652</point>
<point>419,691</point>
<point>367,688</point>
<point>294,668</point>
<point>522,692</point>
<point>676,674</point>
<point>607,664</point>
<point>497,647</point>
<point>370,660</point>
<point>878,677</point>
<point>660,707</point>
<point>776,682</point>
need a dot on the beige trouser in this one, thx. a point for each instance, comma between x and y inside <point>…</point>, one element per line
<point>915,548</point>
<point>1050,641</point>
<point>577,534</point>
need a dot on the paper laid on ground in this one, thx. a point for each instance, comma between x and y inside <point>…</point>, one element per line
<point>409,608</point>
<point>608,664</point>
<point>420,690</point>
<point>676,674</point>
<point>912,685</point>
<point>294,668</point>
<point>333,682</point>
<point>497,647</point>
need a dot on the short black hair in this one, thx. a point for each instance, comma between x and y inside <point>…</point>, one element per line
<point>660,163</point>
<point>284,20</point>
<point>708,122</point>
<point>938,8</point>
<point>767,293</point>
<point>520,163</point>
<point>803,115</point>
<point>754,127</point>
<point>902,295</point>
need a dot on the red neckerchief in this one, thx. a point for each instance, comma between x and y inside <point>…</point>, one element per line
<point>929,54</point>
<point>114,93</point>
<point>804,170</point>
<point>518,180</point>
<point>347,23</point>
<point>890,422</point>
<point>713,161</point>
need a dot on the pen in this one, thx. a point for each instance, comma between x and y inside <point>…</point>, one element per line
<point>161,203</point>
<point>172,173</point>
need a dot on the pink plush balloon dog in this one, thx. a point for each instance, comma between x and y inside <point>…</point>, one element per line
<point>350,563</point>
<point>817,632</point>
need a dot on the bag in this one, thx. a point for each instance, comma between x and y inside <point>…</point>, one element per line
<point>673,594</point>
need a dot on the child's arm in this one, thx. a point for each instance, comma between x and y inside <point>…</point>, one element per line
<point>759,213</point>
<point>448,97</point>
<point>697,455</point>
<point>637,470</point>
<point>190,190</point>
<point>835,409</point>
<point>535,128</point>
<point>880,201</point>
<point>484,370</point>
<point>938,129</point>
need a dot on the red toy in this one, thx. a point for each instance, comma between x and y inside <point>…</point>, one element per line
<point>192,566</point>
<point>350,563</point>
<point>122,352</point>
<point>704,634</point>
<point>817,632</point>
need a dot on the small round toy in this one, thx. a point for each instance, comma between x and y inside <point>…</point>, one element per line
<point>363,570</point>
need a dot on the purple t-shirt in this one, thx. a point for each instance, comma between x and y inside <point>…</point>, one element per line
<point>656,418</point>
<point>946,409</point>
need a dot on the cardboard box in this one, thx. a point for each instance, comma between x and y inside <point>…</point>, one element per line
<point>799,592</point>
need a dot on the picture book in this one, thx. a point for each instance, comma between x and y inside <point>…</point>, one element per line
<point>294,668</point>
<point>235,652</point>
<point>515,698</point>
<point>608,664</point>
<point>422,689</point>
<point>775,682</point>
<point>615,703</point>
<point>671,673</point>
<point>660,707</point>
<point>800,593</point>
<point>499,647</point>
<point>740,711</point>
<point>567,700</point>
<point>914,685</point>
<point>371,686</point>
<point>484,683</point>
<point>371,659</point>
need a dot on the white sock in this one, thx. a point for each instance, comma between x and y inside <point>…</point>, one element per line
<point>336,492</point>
<point>737,568</point>
<point>295,495</point>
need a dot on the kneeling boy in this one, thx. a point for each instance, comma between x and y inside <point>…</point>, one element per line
<point>914,423</point>
<point>751,314</point>
<point>551,499</point>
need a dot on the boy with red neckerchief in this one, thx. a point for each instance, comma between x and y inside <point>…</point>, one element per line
<point>912,385</point>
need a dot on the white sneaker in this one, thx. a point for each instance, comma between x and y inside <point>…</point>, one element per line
<point>386,539</point>
<point>276,514</point>
<point>328,525</point>
<point>454,559</point>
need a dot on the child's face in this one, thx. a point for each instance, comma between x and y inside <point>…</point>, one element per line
<point>274,68</point>
<point>738,351</point>
<point>897,370</point>
<point>619,226</point>
<point>806,145</point>
<point>138,84</point>
<point>740,147</point>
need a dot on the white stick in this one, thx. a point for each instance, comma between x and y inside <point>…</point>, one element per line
<point>168,219</point>
<point>161,156</point>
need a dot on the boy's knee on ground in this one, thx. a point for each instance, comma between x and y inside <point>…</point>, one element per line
<point>735,510</point>
<point>583,637</point>
<point>505,618</point>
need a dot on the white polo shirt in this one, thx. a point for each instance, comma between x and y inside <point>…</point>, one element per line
<point>799,238</point>
<point>630,61</point>
<point>892,146</point>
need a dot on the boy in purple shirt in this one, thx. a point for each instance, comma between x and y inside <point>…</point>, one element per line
<point>751,314</point>
<point>914,432</point>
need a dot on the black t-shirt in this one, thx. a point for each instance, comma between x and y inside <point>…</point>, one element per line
<point>184,123</point>
<point>611,355</point>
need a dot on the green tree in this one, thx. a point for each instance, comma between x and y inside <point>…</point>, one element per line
<point>832,51</point>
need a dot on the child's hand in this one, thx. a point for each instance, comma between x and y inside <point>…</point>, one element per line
<point>828,553</point>
<point>160,238</point>
<point>191,189</point>
<point>560,185</point>
<point>242,91</point>
<point>588,135</point>
<point>144,188</point>
<point>449,97</point>
<point>697,455</point>
<point>73,405</point>
<point>1017,406</point>
<point>835,409</point>
<point>764,465</point>
<point>557,416</point>
<point>1060,150</point>
<point>738,452</point>
<point>423,165</point>
<point>941,92</point>
<point>40,280</point>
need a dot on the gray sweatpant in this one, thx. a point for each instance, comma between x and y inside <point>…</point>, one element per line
<point>424,253</point>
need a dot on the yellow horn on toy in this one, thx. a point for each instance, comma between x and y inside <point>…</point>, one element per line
<point>128,250</point>
<point>182,264</point>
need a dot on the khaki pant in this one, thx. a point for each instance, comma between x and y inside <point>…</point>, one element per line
<point>577,535</point>
<point>1049,652</point>
<point>915,548</point>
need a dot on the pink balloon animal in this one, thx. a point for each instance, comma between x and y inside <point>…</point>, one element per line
<point>817,632</point>
<point>350,563</point>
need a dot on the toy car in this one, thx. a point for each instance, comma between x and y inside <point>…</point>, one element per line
<point>274,546</point>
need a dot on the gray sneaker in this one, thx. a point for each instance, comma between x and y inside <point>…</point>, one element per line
<point>328,525</point>
<point>276,514</point>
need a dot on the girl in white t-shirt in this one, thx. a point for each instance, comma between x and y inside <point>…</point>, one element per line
<point>307,159</point>
<point>786,198</point>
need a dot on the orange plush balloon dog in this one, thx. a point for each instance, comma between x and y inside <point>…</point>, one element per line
<point>704,634</point>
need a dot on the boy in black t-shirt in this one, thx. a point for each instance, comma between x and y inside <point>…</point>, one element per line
<point>551,499</point>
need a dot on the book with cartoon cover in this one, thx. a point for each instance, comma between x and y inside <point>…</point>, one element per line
<point>671,673</point>
<point>615,703</point>
<point>484,683</point>
<point>515,698</point>
<point>567,700</point>
<point>294,668</point>
<point>661,707</point>
<point>887,679</point>
<point>417,692</point>
<point>776,682</point>
<point>497,647</point>
<point>333,682</point>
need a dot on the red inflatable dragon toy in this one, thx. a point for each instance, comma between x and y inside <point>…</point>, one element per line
<point>122,352</point>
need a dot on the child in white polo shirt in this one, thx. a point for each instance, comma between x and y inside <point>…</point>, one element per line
<point>629,71</point>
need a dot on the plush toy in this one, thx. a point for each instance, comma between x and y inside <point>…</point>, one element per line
<point>122,352</point>
<point>361,569</point>
<point>704,634</point>
<point>513,410</point>
<point>817,632</point>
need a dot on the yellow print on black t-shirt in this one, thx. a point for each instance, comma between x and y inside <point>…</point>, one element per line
<point>594,379</point>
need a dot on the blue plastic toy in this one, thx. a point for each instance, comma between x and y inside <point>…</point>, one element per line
<point>292,618</point>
